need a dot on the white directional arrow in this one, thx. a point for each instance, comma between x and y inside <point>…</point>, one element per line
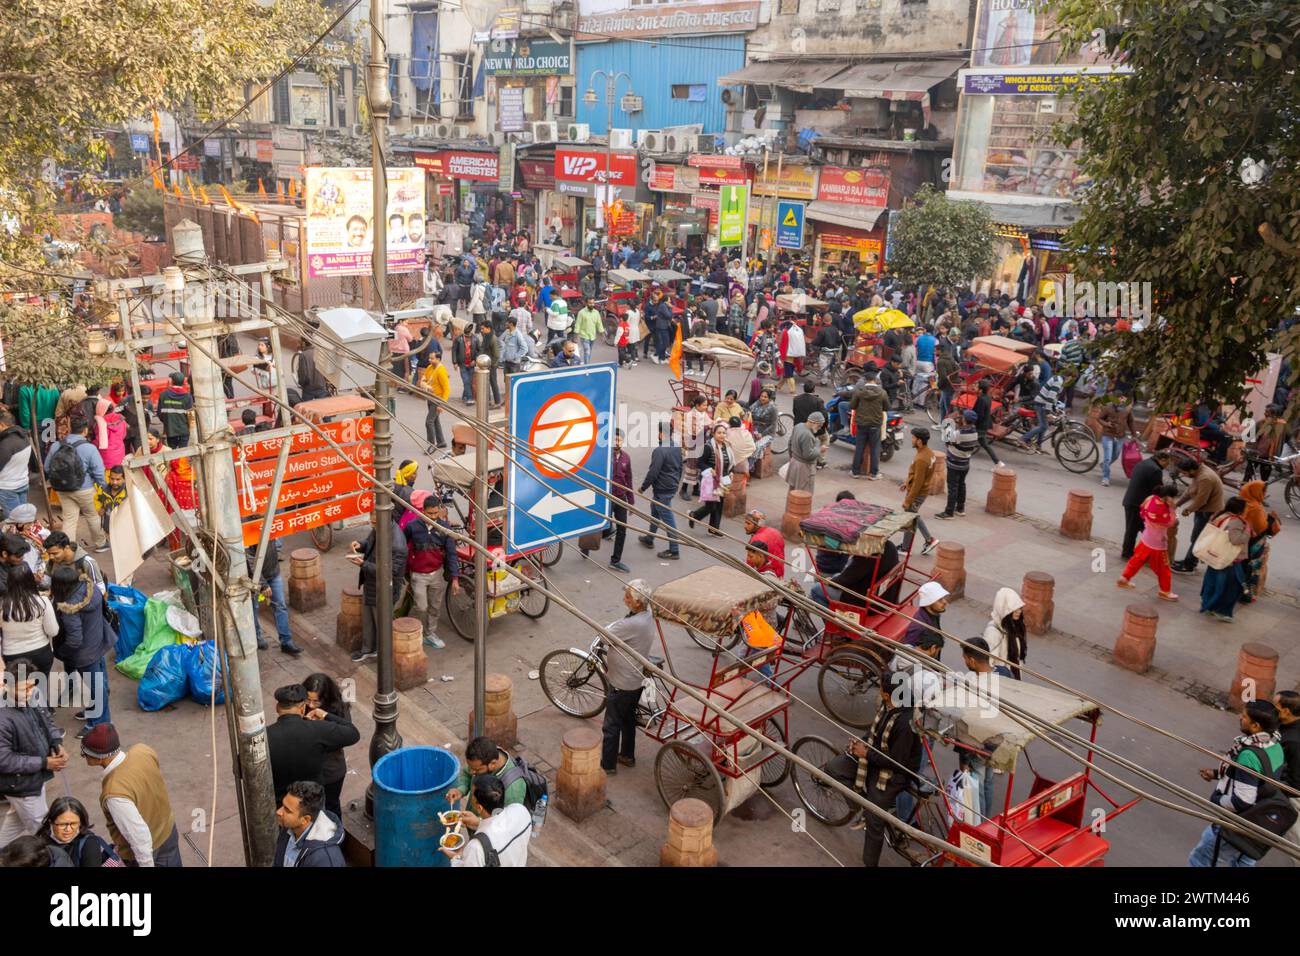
<point>552,504</point>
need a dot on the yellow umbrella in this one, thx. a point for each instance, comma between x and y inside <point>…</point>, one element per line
<point>881,319</point>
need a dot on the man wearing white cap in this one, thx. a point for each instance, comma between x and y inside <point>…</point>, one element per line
<point>931,601</point>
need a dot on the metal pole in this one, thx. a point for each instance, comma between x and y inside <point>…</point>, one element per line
<point>385,739</point>
<point>482,369</point>
<point>240,640</point>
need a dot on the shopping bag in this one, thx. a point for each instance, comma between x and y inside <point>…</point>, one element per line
<point>963,798</point>
<point>1215,547</point>
<point>1129,457</point>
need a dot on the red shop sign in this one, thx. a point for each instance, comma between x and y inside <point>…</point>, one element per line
<point>537,173</point>
<point>294,494</point>
<point>307,464</point>
<point>581,166</point>
<point>862,187</point>
<point>716,175</point>
<point>343,432</point>
<point>717,162</point>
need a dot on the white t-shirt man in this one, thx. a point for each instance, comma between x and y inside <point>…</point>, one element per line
<point>508,830</point>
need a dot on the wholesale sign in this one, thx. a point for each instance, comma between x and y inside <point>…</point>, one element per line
<point>340,220</point>
<point>580,166</point>
<point>861,187</point>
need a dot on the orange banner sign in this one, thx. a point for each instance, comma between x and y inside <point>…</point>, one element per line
<point>304,519</point>
<point>304,492</point>
<point>344,432</point>
<point>262,471</point>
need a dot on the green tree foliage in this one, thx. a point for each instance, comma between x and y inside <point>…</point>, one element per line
<point>1214,85</point>
<point>142,211</point>
<point>940,241</point>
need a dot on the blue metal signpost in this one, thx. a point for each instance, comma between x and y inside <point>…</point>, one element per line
<point>564,421</point>
<point>789,224</point>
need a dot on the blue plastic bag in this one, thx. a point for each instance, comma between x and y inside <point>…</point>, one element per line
<point>200,668</point>
<point>166,678</point>
<point>128,604</point>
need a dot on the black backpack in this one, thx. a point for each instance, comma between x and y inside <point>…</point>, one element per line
<point>491,857</point>
<point>66,471</point>
<point>534,779</point>
<point>1271,811</point>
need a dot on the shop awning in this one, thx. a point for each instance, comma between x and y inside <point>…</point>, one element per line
<point>847,214</point>
<point>895,80</point>
<point>801,75</point>
<point>1036,215</point>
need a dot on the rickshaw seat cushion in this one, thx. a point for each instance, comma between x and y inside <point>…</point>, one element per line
<point>752,702</point>
<point>1085,849</point>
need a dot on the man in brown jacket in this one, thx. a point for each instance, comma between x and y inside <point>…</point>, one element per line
<point>1203,499</point>
<point>917,486</point>
<point>1116,419</point>
<point>133,796</point>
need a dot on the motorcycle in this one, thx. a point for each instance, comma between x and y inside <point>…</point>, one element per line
<point>837,424</point>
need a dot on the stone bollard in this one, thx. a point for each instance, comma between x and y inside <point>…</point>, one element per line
<point>347,627</point>
<point>690,835</point>
<point>938,477</point>
<point>499,721</point>
<point>734,501</point>
<point>766,467</point>
<point>306,586</point>
<point>950,567</point>
<point>1136,645</point>
<point>1076,522</point>
<point>410,666</point>
<point>580,783</point>
<point>1002,496</point>
<point>1256,677</point>
<point>1037,591</point>
<point>798,505</point>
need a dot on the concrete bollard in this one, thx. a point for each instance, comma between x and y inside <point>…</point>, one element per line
<point>347,627</point>
<point>690,835</point>
<point>950,568</point>
<point>1036,590</point>
<point>798,505</point>
<point>580,783</point>
<point>499,720</point>
<point>306,586</point>
<point>766,467</point>
<point>1076,522</point>
<point>1256,677</point>
<point>938,477</point>
<point>1002,496</point>
<point>410,666</point>
<point>1136,645</point>
<point>734,501</point>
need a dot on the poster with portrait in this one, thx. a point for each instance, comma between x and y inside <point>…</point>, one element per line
<point>307,105</point>
<point>340,220</point>
<point>1005,35</point>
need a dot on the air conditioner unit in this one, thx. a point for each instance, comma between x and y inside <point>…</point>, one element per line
<point>442,130</point>
<point>563,20</point>
<point>705,143</point>
<point>497,139</point>
<point>541,7</point>
<point>644,135</point>
<point>620,139</point>
<point>359,129</point>
<point>577,133</point>
<point>544,132</point>
<point>421,130</point>
<point>678,143</point>
<point>460,132</point>
<point>523,137</point>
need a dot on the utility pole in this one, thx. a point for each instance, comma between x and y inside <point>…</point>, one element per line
<point>482,369</point>
<point>385,739</point>
<point>236,626</point>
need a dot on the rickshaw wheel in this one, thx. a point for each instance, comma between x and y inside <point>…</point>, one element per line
<point>323,537</point>
<point>573,683</point>
<point>681,771</point>
<point>823,801</point>
<point>460,607</point>
<point>552,553</point>
<point>532,602</point>
<point>775,770</point>
<point>1076,450</point>
<point>846,684</point>
<point>712,644</point>
<point>933,405</point>
<point>781,436</point>
<point>1292,495</point>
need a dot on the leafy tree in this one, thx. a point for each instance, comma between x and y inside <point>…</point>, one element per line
<point>940,241</point>
<point>142,211</point>
<point>1171,152</point>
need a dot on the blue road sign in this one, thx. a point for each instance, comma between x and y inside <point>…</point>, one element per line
<point>789,224</point>
<point>140,142</point>
<point>565,417</point>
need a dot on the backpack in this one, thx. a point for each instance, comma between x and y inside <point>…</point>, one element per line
<point>66,471</point>
<point>1272,811</point>
<point>491,858</point>
<point>534,779</point>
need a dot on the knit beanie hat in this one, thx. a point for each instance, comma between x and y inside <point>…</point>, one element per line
<point>101,741</point>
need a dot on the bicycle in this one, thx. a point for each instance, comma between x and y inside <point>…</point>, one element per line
<point>577,682</point>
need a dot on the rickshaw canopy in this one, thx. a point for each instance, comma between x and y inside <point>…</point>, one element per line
<point>713,600</point>
<point>570,262</point>
<point>881,319</point>
<point>460,470</point>
<point>722,349</point>
<point>319,409</point>
<point>667,275</point>
<point>975,719</point>
<point>798,302</point>
<point>628,276</point>
<point>994,358</point>
<point>854,527</point>
<point>1005,342</point>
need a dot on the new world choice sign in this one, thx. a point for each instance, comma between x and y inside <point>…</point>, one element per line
<point>559,470</point>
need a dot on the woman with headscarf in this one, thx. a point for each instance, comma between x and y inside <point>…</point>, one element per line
<point>69,402</point>
<point>693,438</point>
<point>715,477</point>
<point>1262,525</point>
<point>110,433</point>
<point>1005,633</point>
<point>404,479</point>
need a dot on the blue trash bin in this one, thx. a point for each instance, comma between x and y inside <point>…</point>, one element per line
<point>411,785</point>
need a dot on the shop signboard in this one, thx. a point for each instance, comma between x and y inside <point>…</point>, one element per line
<point>733,211</point>
<point>724,175</point>
<point>717,162</point>
<point>340,219</point>
<point>861,187</point>
<point>603,19</point>
<point>528,58</point>
<point>791,182</point>
<point>506,167</point>
<point>671,178</point>
<point>585,166</point>
<point>265,150</point>
<point>510,112</point>
<point>537,173</point>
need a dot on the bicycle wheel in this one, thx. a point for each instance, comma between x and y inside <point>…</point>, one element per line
<point>532,602</point>
<point>777,768</point>
<point>928,817</point>
<point>847,683</point>
<point>323,537</point>
<point>1077,450</point>
<point>1291,493</point>
<point>573,683</point>
<point>711,643</point>
<point>933,403</point>
<point>460,607</point>
<point>819,798</point>
<point>552,553</point>
<point>781,436</point>
<point>682,771</point>
<point>807,628</point>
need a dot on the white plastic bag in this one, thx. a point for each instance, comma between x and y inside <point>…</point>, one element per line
<point>963,797</point>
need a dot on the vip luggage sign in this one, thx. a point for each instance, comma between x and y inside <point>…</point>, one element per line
<point>789,224</point>
<point>559,470</point>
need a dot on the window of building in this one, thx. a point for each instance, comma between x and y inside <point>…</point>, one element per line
<point>828,6</point>
<point>788,7</point>
<point>564,109</point>
<point>866,5</point>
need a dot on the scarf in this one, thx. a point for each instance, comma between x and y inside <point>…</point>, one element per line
<point>406,475</point>
<point>1256,517</point>
<point>1263,740</point>
<point>881,727</point>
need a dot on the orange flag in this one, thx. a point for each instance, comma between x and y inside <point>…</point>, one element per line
<point>675,356</point>
<point>229,201</point>
<point>291,190</point>
<point>204,193</point>
<point>190,186</point>
<point>176,188</point>
<point>261,190</point>
<point>157,134</point>
<point>279,191</point>
<point>158,183</point>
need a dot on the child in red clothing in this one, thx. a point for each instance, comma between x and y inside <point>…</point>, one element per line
<point>1152,548</point>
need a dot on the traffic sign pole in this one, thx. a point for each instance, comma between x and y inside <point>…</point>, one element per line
<point>482,369</point>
